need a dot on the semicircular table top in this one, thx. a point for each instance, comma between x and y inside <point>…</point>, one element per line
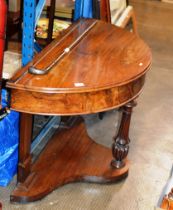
<point>91,56</point>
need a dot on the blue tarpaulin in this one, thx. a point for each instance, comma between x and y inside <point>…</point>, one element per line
<point>9,138</point>
<point>83,9</point>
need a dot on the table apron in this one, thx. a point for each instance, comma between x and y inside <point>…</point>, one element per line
<point>75,103</point>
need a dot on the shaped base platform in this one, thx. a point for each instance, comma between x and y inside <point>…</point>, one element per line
<point>69,156</point>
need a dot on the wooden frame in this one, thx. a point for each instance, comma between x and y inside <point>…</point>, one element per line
<point>127,16</point>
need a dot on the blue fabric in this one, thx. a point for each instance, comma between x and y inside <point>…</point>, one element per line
<point>83,9</point>
<point>9,138</point>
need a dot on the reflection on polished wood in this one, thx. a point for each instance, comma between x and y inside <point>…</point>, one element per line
<point>61,163</point>
<point>92,67</point>
<point>104,70</point>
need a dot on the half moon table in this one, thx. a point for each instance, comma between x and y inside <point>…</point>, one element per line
<point>92,67</point>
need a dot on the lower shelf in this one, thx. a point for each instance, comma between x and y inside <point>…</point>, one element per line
<point>70,156</point>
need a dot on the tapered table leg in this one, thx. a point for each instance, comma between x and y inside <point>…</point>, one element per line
<point>120,146</point>
<point>24,165</point>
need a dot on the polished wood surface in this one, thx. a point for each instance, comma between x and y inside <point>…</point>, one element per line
<point>71,155</point>
<point>106,59</point>
<point>92,67</point>
<point>120,147</point>
<point>24,164</point>
<point>120,54</point>
<point>76,103</point>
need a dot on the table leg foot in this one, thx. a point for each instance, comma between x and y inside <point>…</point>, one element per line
<point>70,156</point>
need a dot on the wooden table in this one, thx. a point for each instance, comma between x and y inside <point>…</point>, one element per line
<point>92,67</point>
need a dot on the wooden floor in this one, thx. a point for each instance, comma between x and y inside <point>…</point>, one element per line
<point>151,148</point>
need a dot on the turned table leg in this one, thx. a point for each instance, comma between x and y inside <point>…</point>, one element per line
<point>120,146</point>
<point>69,156</point>
<point>24,166</point>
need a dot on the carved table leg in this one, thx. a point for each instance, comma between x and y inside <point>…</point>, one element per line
<point>70,156</point>
<point>24,165</point>
<point>120,146</point>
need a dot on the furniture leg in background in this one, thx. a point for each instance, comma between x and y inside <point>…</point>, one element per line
<point>127,16</point>
<point>51,21</point>
<point>105,13</point>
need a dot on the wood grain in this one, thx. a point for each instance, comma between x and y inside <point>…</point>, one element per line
<point>70,156</point>
<point>104,70</point>
<point>106,57</point>
<point>76,103</point>
<point>24,164</point>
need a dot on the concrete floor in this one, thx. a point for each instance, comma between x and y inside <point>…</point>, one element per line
<point>151,148</point>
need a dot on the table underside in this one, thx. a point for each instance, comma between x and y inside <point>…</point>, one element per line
<point>70,156</point>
